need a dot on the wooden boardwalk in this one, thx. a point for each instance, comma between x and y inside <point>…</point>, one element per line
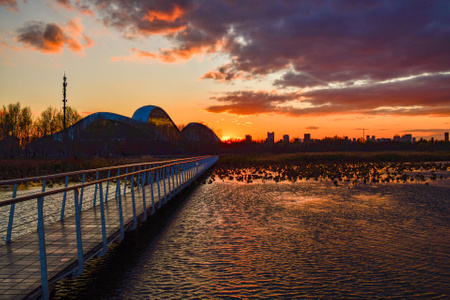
<point>20,268</point>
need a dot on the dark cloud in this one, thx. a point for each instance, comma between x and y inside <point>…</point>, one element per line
<point>65,3</point>
<point>426,95</point>
<point>250,102</point>
<point>44,37</point>
<point>51,38</point>
<point>9,5</point>
<point>224,73</point>
<point>318,41</point>
<point>312,128</point>
<point>135,17</point>
<point>311,43</point>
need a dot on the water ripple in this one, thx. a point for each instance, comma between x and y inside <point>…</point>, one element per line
<point>292,240</point>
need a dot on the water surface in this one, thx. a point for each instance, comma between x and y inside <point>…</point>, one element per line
<point>308,239</point>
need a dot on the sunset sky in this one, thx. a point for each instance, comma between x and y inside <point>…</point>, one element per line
<point>242,67</point>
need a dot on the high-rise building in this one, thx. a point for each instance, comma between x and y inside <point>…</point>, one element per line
<point>446,137</point>
<point>307,137</point>
<point>270,137</point>
<point>286,138</point>
<point>407,138</point>
<point>248,138</point>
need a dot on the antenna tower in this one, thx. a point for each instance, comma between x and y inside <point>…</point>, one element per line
<point>64,100</point>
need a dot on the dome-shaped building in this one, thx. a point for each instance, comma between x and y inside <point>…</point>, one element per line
<point>149,131</point>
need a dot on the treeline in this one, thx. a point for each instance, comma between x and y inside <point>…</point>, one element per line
<point>17,123</point>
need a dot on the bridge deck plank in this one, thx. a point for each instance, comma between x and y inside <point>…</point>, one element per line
<point>20,270</point>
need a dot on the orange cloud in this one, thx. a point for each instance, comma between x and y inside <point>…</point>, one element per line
<point>185,53</point>
<point>225,73</point>
<point>144,54</point>
<point>51,38</point>
<point>169,16</point>
<point>136,55</point>
<point>64,4</point>
<point>10,5</point>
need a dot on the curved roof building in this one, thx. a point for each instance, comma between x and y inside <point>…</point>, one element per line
<point>149,130</point>
<point>198,132</point>
<point>157,117</point>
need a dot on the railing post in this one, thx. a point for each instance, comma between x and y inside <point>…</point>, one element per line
<point>63,206</point>
<point>173,180</point>
<point>178,178</point>
<point>189,172</point>
<point>80,268</point>
<point>183,175</point>
<point>102,215</point>
<point>42,253</point>
<point>107,186</point>
<point>168,181</point>
<point>143,198</point>
<point>164,184</point>
<point>95,191</point>
<point>11,216</point>
<point>133,227</point>
<point>148,173</point>
<point>151,190</point>
<point>125,184</point>
<point>139,178</point>
<point>122,232</point>
<point>118,181</point>
<point>82,190</point>
<point>159,190</point>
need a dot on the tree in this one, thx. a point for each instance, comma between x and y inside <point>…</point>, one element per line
<point>47,123</point>
<point>72,116</point>
<point>16,122</point>
<point>52,120</point>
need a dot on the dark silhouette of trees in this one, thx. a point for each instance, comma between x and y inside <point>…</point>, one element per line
<point>51,120</point>
<point>16,123</point>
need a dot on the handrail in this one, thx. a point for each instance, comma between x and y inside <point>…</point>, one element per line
<point>75,187</point>
<point>123,214</point>
<point>45,177</point>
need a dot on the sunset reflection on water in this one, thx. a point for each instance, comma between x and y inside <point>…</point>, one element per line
<point>296,240</point>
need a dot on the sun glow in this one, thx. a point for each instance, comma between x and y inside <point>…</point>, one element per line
<point>229,139</point>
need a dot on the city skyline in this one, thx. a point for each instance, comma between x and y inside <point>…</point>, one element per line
<point>286,138</point>
<point>315,67</point>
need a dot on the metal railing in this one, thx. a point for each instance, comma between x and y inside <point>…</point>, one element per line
<point>46,202</point>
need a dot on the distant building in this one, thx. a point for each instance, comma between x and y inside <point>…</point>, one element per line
<point>414,140</point>
<point>407,138</point>
<point>286,138</point>
<point>270,137</point>
<point>248,138</point>
<point>307,137</point>
<point>446,137</point>
<point>297,140</point>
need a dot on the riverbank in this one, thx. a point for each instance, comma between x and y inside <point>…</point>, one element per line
<point>350,167</point>
<point>246,160</point>
<point>30,167</point>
